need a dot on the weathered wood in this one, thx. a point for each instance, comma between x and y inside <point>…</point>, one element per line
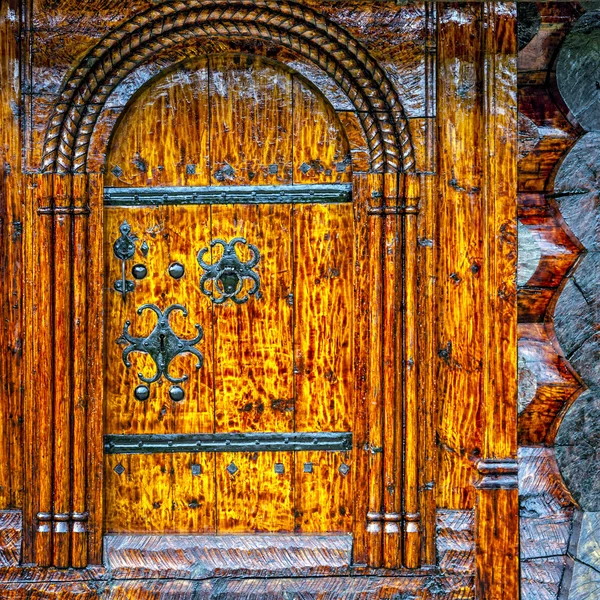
<point>11,259</point>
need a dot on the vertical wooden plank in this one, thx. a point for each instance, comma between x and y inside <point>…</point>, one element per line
<point>392,383</point>
<point>323,490</point>
<point>254,374</point>
<point>361,189</point>
<point>323,305</point>
<point>460,289</point>
<point>256,493</point>
<point>323,328</point>
<point>142,481</point>
<point>193,493</point>
<point>412,511</point>
<point>11,260</point>
<point>79,514</point>
<point>95,372</point>
<point>426,294</point>
<point>250,122</point>
<point>321,149</point>
<point>173,234</point>
<point>253,340</point>
<point>497,508</point>
<point>43,373</point>
<point>165,140</point>
<point>375,375</point>
<point>62,361</point>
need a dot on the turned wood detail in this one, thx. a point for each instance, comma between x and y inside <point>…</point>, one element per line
<point>289,24</point>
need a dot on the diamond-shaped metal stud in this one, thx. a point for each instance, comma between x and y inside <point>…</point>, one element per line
<point>119,469</point>
<point>279,468</point>
<point>232,469</point>
<point>190,169</point>
<point>344,469</point>
<point>305,168</point>
<point>117,171</point>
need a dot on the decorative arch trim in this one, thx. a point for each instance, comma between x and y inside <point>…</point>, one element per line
<point>288,24</point>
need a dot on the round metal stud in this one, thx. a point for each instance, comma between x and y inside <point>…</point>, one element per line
<point>141,393</point>
<point>139,271</point>
<point>176,270</point>
<point>177,394</point>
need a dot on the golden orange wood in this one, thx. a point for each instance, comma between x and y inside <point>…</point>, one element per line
<point>165,141</point>
<point>251,122</point>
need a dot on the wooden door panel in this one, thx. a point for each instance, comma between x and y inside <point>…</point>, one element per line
<point>323,308</point>
<point>250,122</point>
<point>253,341</point>
<point>160,493</point>
<point>258,496</point>
<point>173,235</point>
<point>166,138</point>
<point>323,490</point>
<point>321,149</point>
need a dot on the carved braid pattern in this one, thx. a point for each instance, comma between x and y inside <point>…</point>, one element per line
<point>288,24</point>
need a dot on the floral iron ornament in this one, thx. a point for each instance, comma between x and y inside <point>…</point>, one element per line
<point>163,345</point>
<point>229,273</point>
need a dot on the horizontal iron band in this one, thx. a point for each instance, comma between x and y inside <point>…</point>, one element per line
<point>247,194</point>
<point>227,442</point>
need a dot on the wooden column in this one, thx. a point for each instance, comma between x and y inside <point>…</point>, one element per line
<point>410,405</point>
<point>63,402</point>
<point>11,264</point>
<point>496,514</point>
<point>375,370</point>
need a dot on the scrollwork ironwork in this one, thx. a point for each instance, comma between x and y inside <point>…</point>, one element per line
<point>162,344</point>
<point>229,273</point>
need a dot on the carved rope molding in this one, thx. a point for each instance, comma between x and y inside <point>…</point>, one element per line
<point>289,24</point>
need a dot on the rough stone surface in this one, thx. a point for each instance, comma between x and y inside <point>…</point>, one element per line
<point>528,22</point>
<point>578,450</point>
<point>577,70</point>
<point>529,255</point>
<point>577,187</point>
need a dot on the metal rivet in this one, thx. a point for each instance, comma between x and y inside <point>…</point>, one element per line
<point>144,248</point>
<point>196,470</point>
<point>308,467</point>
<point>305,168</point>
<point>279,468</point>
<point>232,469</point>
<point>344,469</point>
<point>139,271</point>
<point>141,393</point>
<point>273,169</point>
<point>176,270</point>
<point>190,169</point>
<point>119,469</point>
<point>176,392</point>
<point>117,171</point>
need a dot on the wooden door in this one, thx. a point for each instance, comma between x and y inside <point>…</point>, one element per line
<point>228,200</point>
<point>350,168</point>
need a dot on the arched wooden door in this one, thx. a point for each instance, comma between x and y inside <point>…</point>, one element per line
<point>229,247</point>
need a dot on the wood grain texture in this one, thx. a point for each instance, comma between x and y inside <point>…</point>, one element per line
<point>460,222</point>
<point>11,260</point>
<point>166,138</point>
<point>251,122</point>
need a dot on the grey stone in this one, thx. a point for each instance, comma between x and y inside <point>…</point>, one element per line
<point>588,548</point>
<point>577,185</point>
<point>578,70</point>
<point>585,583</point>
<point>577,450</point>
<point>529,255</point>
